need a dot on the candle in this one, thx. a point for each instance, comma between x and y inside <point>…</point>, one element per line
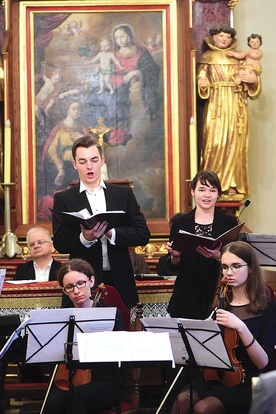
<point>193,148</point>
<point>7,153</point>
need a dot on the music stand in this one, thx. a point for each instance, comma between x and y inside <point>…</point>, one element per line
<point>264,245</point>
<point>40,340</point>
<point>203,344</point>
<point>56,343</point>
<point>9,327</point>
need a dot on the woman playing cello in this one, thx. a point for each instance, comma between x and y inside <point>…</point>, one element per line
<point>249,311</point>
<point>76,277</point>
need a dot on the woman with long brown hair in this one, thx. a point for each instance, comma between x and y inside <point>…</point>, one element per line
<point>250,312</point>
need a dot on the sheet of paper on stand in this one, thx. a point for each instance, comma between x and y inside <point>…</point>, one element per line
<point>158,325</point>
<point>48,330</point>
<point>122,346</point>
<point>204,337</point>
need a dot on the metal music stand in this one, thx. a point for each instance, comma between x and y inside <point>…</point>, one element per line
<point>203,344</point>
<point>264,245</point>
<point>57,342</point>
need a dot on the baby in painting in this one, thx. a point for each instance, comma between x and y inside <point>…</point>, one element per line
<point>106,59</point>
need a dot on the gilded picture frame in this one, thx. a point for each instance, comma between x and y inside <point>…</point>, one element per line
<point>65,88</point>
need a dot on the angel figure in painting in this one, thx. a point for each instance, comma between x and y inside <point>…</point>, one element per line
<point>225,129</point>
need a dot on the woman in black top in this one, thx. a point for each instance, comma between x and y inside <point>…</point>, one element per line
<point>252,314</point>
<point>197,273</point>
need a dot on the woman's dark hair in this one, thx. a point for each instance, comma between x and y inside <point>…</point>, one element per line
<point>219,28</point>
<point>255,36</point>
<point>86,142</point>
<point>77,265</point>
<point>207,177</point>
<point>256,290</point>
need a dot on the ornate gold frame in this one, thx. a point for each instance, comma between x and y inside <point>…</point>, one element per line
<point>178,95</point>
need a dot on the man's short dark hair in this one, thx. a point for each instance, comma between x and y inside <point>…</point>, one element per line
<point>86,142</point>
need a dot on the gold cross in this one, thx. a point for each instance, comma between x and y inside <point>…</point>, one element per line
<point>240,125</point>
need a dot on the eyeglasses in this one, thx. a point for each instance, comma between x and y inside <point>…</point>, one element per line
<point>235,267</point>
<point>39,242</point>
<point>80,285</point>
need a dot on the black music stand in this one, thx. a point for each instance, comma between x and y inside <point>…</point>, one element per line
<point>40,340</point>
<point>10,326</point>
<point>264,245</point>
<point>56,343</point>
<point>203,344</point>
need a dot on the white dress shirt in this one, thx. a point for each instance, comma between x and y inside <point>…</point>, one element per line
<point>97,203</point>
<point>42,275</point>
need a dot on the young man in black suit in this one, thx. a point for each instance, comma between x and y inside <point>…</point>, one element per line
<point>42,266</point>
<point>106,251</point>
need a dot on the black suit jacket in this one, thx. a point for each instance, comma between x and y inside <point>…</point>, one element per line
<point>26,271</point>
<point>67,240</point>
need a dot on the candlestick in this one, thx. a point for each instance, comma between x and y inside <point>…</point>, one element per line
<point>8,246</point>
<point>7,153</point>
<point>193,148</point>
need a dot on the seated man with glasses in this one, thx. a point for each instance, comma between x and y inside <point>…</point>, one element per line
<point>42,266</point>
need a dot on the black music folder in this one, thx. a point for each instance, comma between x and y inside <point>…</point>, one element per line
<point>73,219</point>
<point>187,242</point>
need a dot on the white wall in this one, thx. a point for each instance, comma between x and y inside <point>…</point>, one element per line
<point>258,16</point>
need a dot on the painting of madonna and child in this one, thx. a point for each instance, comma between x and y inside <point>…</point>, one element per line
<point>100,65</point>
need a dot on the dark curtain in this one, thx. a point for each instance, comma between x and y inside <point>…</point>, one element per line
<point>44,24</point>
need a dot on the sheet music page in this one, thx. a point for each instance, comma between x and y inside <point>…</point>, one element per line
<point>206,342</point>
<point>124,346</point>
<point>204,337</point>
<point>48,330</point>
<point>169,325</point>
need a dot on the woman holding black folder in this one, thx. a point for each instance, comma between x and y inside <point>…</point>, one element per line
<point>197,272</point>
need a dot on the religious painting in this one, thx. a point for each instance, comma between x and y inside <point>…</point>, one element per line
<point>82,63</point>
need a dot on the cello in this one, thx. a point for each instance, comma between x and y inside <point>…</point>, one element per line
<point>231,341</point>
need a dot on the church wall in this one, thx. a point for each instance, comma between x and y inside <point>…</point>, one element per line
<point>256,16</point>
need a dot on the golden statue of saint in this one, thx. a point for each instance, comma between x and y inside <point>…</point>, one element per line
<point>225,132</point>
